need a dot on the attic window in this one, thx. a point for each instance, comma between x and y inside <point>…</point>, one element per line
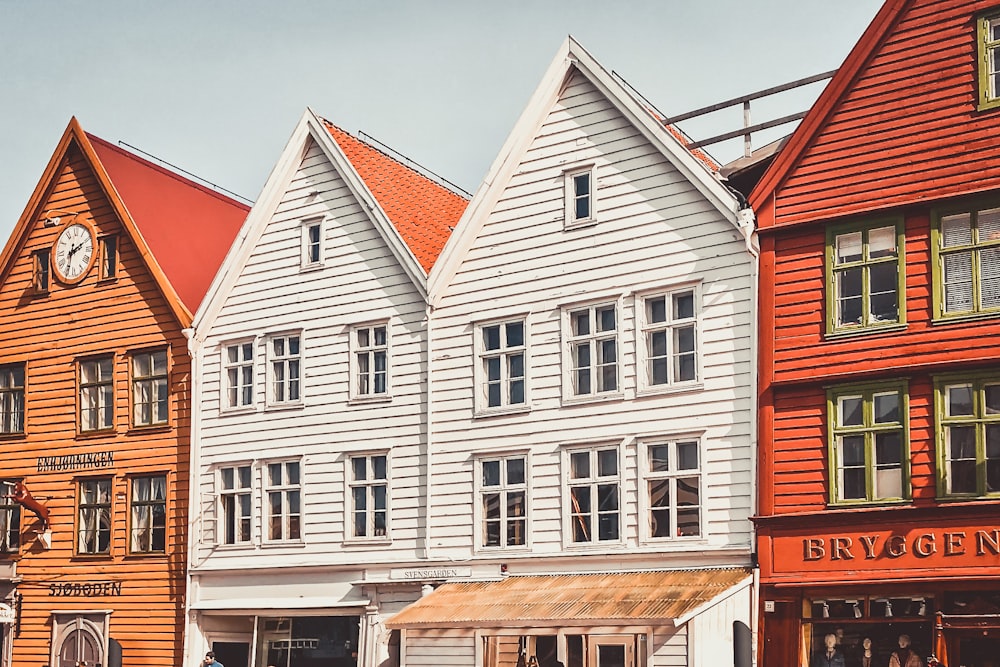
<point>109,257</point>
<point>40,260</point>
<point>312,243</point>
<point>988,28</point>
<point>580,198</point>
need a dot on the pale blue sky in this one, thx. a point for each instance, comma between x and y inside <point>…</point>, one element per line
<point>216,87</point>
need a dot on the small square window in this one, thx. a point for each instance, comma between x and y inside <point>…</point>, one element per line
<point>580,199</point>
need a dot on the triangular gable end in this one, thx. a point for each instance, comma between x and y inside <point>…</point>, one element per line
<point>74,134</point>
<point>573,57</point>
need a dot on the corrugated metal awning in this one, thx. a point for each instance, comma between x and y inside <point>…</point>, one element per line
<point>572,599</point>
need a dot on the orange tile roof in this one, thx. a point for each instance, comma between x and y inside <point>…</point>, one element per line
<point>517,601</point>
<point>422,211</point>
<point>187,226</point>
<point>685,140</point>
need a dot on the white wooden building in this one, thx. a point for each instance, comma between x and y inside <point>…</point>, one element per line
<point>592,397</point>
<point>307,516</point>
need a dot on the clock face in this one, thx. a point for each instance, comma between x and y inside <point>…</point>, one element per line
<point>73,252</point>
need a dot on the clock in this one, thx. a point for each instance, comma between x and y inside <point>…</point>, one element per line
<point>73,253</point>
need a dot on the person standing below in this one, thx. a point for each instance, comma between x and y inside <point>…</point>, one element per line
<point>904,656</point>
<point>210,660</point>
<point>831,656</point>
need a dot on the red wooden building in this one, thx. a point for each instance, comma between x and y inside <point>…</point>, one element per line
<point>98,280</point>
<point>879,431</point>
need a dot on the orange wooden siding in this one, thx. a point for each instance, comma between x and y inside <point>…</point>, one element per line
<point>49,334</point>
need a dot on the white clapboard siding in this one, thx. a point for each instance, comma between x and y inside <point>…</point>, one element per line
<point>440,648</point>
<point>670,649</point>
<point>712,630</point>
<point>361,281</point>
<point>655,230</point>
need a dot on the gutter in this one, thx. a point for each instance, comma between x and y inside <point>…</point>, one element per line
<point>194,352</point>
<point>428,439</point>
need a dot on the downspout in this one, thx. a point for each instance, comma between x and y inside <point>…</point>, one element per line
<point>428,439</point>
<point>194,352</point>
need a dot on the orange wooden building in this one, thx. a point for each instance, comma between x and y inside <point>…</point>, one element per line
<point>879,432</point>
<point>97,283</point>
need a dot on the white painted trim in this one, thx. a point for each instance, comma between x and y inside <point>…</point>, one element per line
<point>729,592</point>
<point>354,397</point>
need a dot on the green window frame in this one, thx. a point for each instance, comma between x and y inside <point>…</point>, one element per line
<point>965,255</point>
<point>865,275</point>
<point>988,40</point>
<point>968,435</point>
<point>869,443</point>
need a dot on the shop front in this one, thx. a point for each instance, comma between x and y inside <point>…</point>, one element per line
<point>913,591</point>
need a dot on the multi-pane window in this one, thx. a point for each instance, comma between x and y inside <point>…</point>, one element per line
<point>97,404</point>
<point>593,350</point>
<point>236,503</point>
<point>579,196</point>
<point>10,519</point>
<point>369,485</point>
<point>148,515</point>
<point>673,471</point>
<point>504,494</point>
<point>594,503</point>
<point>312,239</point>
<point>371,360</point>
<point>967,262</point>
<point>12,399</point>
<point>149,388</point>
<point>109,256</point>
<point>969,436</point>
<point>989,60</point>
<point>94,516</point>
<point>864,272</point>
<point>285,362</point>
<point>671,339</point>
<point>239,374</point>
<point>41,269</point>
<point>868,443</point>
<point>282,488</point>
<point>502,360</point>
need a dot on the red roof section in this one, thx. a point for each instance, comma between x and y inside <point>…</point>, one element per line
<point>422,211</point>
<point>685,140</point>
<point>188,227</point>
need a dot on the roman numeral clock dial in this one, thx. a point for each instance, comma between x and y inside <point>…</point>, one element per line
<point>73,253</point>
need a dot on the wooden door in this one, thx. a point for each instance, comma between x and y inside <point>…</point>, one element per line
<point>79,649</point>
<point>611,650</point>
<point>780,629</point>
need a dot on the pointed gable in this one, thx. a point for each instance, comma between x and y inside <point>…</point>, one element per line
<point>422,211</point>
<point>187,226</point>
<point>897,124</point>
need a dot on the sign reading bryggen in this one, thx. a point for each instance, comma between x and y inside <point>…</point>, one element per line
<point>88,461</point>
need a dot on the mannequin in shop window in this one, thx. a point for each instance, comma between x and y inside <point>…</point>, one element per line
<point>830,656</point>
<point>904,656</point>
<point>867,654</point>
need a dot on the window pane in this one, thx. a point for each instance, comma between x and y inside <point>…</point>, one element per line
<point>491,338</point>
<point>274,474</point>
<point>515,334</point>
<point>380,336</point>
<point>493,369</point>
<point>606,318</point>
<point>656,309</point>
<point>956,230</point>
<point>881,242</point>
<point>962,459</point>
<point>882,292</point>
<point>958,281</point>
<point>517,392</point>
<point>989,274</point>
<point>363,338</point>
<point>851,410</point>
<point>854,484</point>
<point>379,467</point>
<point>292,472</point>
<point>683,306</point>
<point>581,184</point>
<point>852,450</point>
<point>886,408</point>
<point>359,465</point>
<point>959,400</point>
<point>579,465</point>
<point>607,462</point>
<point>992,458</point>
<point>244,473</point>
<point>491,473</point>
<point>659,458</point>
<point>988,223</point>
<point>687,455</point>
<point>849,299</point>
<point>581,322</point>
<point>992,395</point>
<point>848,247</point>
<point>515,471</point>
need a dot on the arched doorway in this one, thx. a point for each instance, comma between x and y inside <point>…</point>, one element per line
<point>80,644</point>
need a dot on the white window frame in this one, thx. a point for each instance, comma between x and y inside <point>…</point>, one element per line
<point>101,400</point>
<point>236,492</point>
<point>568,351</point>
<point>226,365</point>
<point>153,381</point>
<point>286,361</point>
<point>503,488</point>
<point>369,483</point>
<point>481,377</point>
<point>91,526</point>
<point>306,244</point>
<point>571,196</point>
<point>644,329</point>
<point>13,405</point>
<point>10,527</point>
<point>671,475</point>
<point>356,396</point>
<point>143,511</point>
<point>285,488</point>
<point>593,481</point>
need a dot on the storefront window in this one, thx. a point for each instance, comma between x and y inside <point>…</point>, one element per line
<point>596,650</point>
<point>867,630</point>
<point>312,641</point>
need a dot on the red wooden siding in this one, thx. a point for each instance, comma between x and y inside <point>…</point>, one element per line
<point>907,130</point>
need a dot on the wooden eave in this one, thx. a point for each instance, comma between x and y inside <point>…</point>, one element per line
<point>761,197</point>
<point>74,133</point>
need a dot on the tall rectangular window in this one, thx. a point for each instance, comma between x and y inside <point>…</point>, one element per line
<point>10,518</point>
<point>503,498</point>
<point>236,504</point>
<point>670,338</point>
<point>285,363</point>
<point>41,263</point>
<point>967,262</point>
<point>94,516</point>
<point>969,435</point>
<point>988,38</point>
<point>869,453</point>
<point>579,196</point>
<point>673,484</point>
<point>502,364</point>
<point>593,493</point>
<point>369,485</point>
<point>108,256</point>
<point>312,243</point>
<point>150,395</point>
<point>97,394</point>
<point>148,515</point>
<point>593,350</point>
<point>864,276</point>
<point>238,362</point>
<point>283,492</point>
<point>12,399</point>
<point>370,352</point>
